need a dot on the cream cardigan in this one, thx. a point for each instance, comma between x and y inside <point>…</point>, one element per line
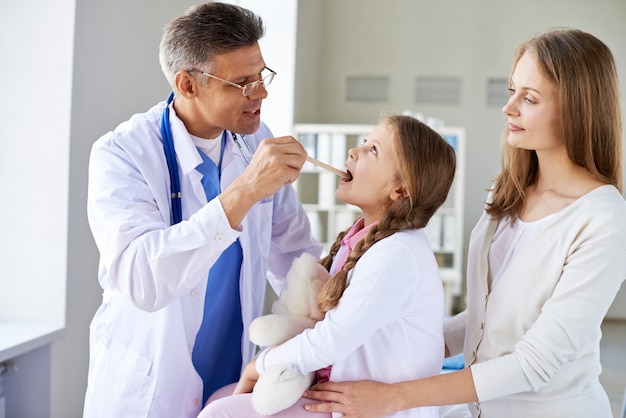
<point>533,343</point>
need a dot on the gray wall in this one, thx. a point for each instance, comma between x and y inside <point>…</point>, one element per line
<point>403,39</point>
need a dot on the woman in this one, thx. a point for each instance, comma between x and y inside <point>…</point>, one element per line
<point>545,260</point>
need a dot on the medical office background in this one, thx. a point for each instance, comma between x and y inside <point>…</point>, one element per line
<point>73,69</point>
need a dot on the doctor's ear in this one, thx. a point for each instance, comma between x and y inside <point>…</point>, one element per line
<point>186,85</point>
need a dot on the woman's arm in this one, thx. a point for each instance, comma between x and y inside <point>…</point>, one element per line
<point>367,399</point>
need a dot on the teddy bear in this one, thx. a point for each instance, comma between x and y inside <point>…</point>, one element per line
<point>296,309</point>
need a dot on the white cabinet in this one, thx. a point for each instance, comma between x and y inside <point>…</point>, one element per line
<point>316,187</point>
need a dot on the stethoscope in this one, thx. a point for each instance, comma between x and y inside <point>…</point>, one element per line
<point>172,165</point>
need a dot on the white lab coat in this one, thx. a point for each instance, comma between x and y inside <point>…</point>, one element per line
<point>154,275</point>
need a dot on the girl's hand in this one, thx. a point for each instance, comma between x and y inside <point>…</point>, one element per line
<point>248,379</point>
<point>361,399</point>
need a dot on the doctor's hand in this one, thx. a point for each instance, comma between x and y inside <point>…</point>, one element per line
<point>275,163</point>
<point>360,399</point>
<point>248,379</point>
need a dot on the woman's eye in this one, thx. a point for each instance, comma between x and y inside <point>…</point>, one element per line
<point>529,100</point>
<point>511,91</point>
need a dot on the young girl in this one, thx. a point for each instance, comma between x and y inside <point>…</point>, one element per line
<point>384,302</point>
<point>545,260</point>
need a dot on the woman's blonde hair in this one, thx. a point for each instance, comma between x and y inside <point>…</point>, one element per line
<point>426,166</point>
<point>582,69</point>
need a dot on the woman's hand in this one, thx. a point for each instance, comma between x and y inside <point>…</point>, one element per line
<point>362,399</point>
<point>248,379</point>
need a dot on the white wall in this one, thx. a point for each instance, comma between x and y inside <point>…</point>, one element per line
<point>278,47</point>
<point>35,79</point>
<point>35,113</point>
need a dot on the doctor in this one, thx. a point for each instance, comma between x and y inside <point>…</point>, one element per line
<point>191,209</point>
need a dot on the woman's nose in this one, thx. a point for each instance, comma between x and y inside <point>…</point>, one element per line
<point>509,108</point>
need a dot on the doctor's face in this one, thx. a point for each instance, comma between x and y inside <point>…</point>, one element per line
<point>219,105</point>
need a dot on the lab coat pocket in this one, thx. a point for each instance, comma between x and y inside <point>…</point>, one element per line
<point>121,374</point>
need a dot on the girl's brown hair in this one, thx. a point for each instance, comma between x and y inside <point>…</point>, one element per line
<point>426,166</point>
<point>582,69</point>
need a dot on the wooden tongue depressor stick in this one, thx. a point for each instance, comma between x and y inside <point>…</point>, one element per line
<point>327,167</point>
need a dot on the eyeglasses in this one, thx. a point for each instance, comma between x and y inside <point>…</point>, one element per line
<point>267,76</point>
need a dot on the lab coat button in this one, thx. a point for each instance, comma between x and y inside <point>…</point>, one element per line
<point>196,402</point>
<point>194,293</point>
<point>219,237</point>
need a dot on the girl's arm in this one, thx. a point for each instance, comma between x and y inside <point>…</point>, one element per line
<point>367,399</point>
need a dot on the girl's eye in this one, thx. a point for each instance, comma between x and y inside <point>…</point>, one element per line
<point>373,150</point>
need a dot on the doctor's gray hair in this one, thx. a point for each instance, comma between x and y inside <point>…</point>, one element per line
<point>205,30</point>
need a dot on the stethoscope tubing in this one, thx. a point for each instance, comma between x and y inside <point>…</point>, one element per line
<point>172,165</point>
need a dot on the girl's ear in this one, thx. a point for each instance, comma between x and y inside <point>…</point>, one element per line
<point>399,192</point>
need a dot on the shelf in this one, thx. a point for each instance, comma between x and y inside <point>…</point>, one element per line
<point>17,338</point>
<point>316,189</point>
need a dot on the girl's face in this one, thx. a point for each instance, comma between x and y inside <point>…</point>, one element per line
<point>374,181</point>
<point>533,109</point>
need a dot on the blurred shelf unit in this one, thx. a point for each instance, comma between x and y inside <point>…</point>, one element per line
<point>316,188</point>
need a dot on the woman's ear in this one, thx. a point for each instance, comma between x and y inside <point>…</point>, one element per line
<point>185,84</point>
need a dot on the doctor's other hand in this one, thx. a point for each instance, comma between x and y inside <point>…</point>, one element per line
<point>360,399</point>
<point>248,379</point>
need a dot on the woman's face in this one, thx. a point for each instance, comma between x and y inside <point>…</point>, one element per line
<point>374,170</point>
<point>533,109</point>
